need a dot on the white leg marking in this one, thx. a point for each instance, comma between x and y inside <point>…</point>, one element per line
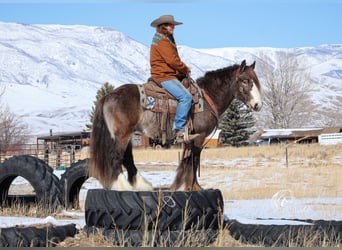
<point>121,184</point>
<point>142,184</point>
<point>181,188</point>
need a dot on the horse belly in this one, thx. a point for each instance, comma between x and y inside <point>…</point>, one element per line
<point>154,125</point>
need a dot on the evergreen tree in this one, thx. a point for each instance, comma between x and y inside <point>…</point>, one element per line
<point>105,89</point>
<point>235,124</point>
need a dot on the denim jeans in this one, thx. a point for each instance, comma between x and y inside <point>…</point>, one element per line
<point>184,98</point>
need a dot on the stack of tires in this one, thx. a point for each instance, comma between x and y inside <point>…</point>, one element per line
<point>48,196</point>
<point>126,218</point>
<point>160,218</point>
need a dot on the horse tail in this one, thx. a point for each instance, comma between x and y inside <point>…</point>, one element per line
<point>101,148</point>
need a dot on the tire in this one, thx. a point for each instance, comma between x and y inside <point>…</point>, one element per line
<point>139,238</point>
<point>38,174</point>
<point>287,235</point>
<point>177,211</point>
<point>25,199</point>
<point>35,237</point>
<point>71,182</point>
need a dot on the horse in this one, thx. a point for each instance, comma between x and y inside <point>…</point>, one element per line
<point>119,114</point>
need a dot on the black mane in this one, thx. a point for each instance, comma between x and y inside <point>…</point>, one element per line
<point>218,75</point>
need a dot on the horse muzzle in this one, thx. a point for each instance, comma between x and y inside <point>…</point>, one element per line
<point>255,106</point>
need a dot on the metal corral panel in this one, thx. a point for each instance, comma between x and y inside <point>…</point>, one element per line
<point>330,139</point>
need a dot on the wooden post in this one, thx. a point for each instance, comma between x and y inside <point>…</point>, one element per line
<point>287,157</point>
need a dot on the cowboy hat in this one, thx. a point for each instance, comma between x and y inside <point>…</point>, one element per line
<point>164,19</point>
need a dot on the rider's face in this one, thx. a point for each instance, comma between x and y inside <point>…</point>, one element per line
<point>169,27</point>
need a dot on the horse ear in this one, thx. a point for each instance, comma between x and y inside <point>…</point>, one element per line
<point>243,66</point>
<point>253,65</point>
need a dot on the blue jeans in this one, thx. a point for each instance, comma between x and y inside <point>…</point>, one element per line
<point>184,98</point>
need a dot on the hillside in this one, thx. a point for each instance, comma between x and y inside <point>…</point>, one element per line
<point>51,72</point>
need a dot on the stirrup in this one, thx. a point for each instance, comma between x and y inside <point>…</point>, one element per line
<point>186,139</point>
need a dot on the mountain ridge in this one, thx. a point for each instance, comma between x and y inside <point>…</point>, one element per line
<point>51,73</point>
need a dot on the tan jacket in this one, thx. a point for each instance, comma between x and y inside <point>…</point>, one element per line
<point>165,61</point>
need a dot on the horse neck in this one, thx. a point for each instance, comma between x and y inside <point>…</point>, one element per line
<point>220,92</point>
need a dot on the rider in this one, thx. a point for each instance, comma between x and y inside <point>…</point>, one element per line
<point>168,69</point>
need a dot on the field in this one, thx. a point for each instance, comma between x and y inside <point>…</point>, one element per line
<point>248,173</point>
<point>260,172</point>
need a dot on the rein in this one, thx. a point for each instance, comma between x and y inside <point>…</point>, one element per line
<point>212,105</point>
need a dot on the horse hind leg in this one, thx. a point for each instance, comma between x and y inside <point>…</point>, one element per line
<point>121,139</point>
<point>123,156</point>
<point>138,182</point>
<point>120,182</point>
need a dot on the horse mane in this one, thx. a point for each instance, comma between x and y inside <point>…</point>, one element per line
<point>219,75</point>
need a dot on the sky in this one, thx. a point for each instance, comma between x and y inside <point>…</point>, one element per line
<point>207,23</point>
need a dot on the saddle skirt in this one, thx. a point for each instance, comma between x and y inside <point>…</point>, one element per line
<point>155,98</point>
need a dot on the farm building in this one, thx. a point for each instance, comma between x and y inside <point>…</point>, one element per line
<point>78,139</point>
<point>213,140</point>
<point>295,135</point>
<point>61,149</point>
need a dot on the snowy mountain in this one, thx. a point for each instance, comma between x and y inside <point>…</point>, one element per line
<point>51,73</point>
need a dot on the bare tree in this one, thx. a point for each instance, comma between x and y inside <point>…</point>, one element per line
<point>12,129</point>
<point>287,91</point>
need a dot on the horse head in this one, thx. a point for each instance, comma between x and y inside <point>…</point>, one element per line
<point>249,89</point>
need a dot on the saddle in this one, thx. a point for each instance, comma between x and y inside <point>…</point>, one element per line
<point>155,98</point>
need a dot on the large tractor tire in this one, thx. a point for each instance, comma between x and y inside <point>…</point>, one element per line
<point>71,182</point>
<point>40,175</point>
<point>160,210</point>
<point>317,233</point>
<point>47,236</point>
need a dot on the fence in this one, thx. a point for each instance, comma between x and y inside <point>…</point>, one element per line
<point>329,139</point>
<point>57,157</point>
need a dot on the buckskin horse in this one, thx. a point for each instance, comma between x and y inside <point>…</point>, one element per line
<point>121,112</point>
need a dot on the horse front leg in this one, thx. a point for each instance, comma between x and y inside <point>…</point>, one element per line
<point>186,177</point>
<point>134,177</point>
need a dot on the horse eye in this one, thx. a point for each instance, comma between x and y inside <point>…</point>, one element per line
<point>246,81</point>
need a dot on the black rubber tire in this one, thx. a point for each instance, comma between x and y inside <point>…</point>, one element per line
<point>48,236</point>
<point>38,174</point>
<point>71,182</point>
<point>140,238</point>
<point>287,235</point>
<point>178,211</point>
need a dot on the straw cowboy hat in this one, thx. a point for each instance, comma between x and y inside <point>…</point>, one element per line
<point>165,19</point>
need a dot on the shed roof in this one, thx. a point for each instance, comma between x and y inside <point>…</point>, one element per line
<point>297,132</point>
<point>55,136</point>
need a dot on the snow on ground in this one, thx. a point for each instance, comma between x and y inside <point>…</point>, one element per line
<point>282,208</point>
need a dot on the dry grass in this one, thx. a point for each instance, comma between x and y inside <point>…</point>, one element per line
<point>260,172</point>
<point>306,171</point>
